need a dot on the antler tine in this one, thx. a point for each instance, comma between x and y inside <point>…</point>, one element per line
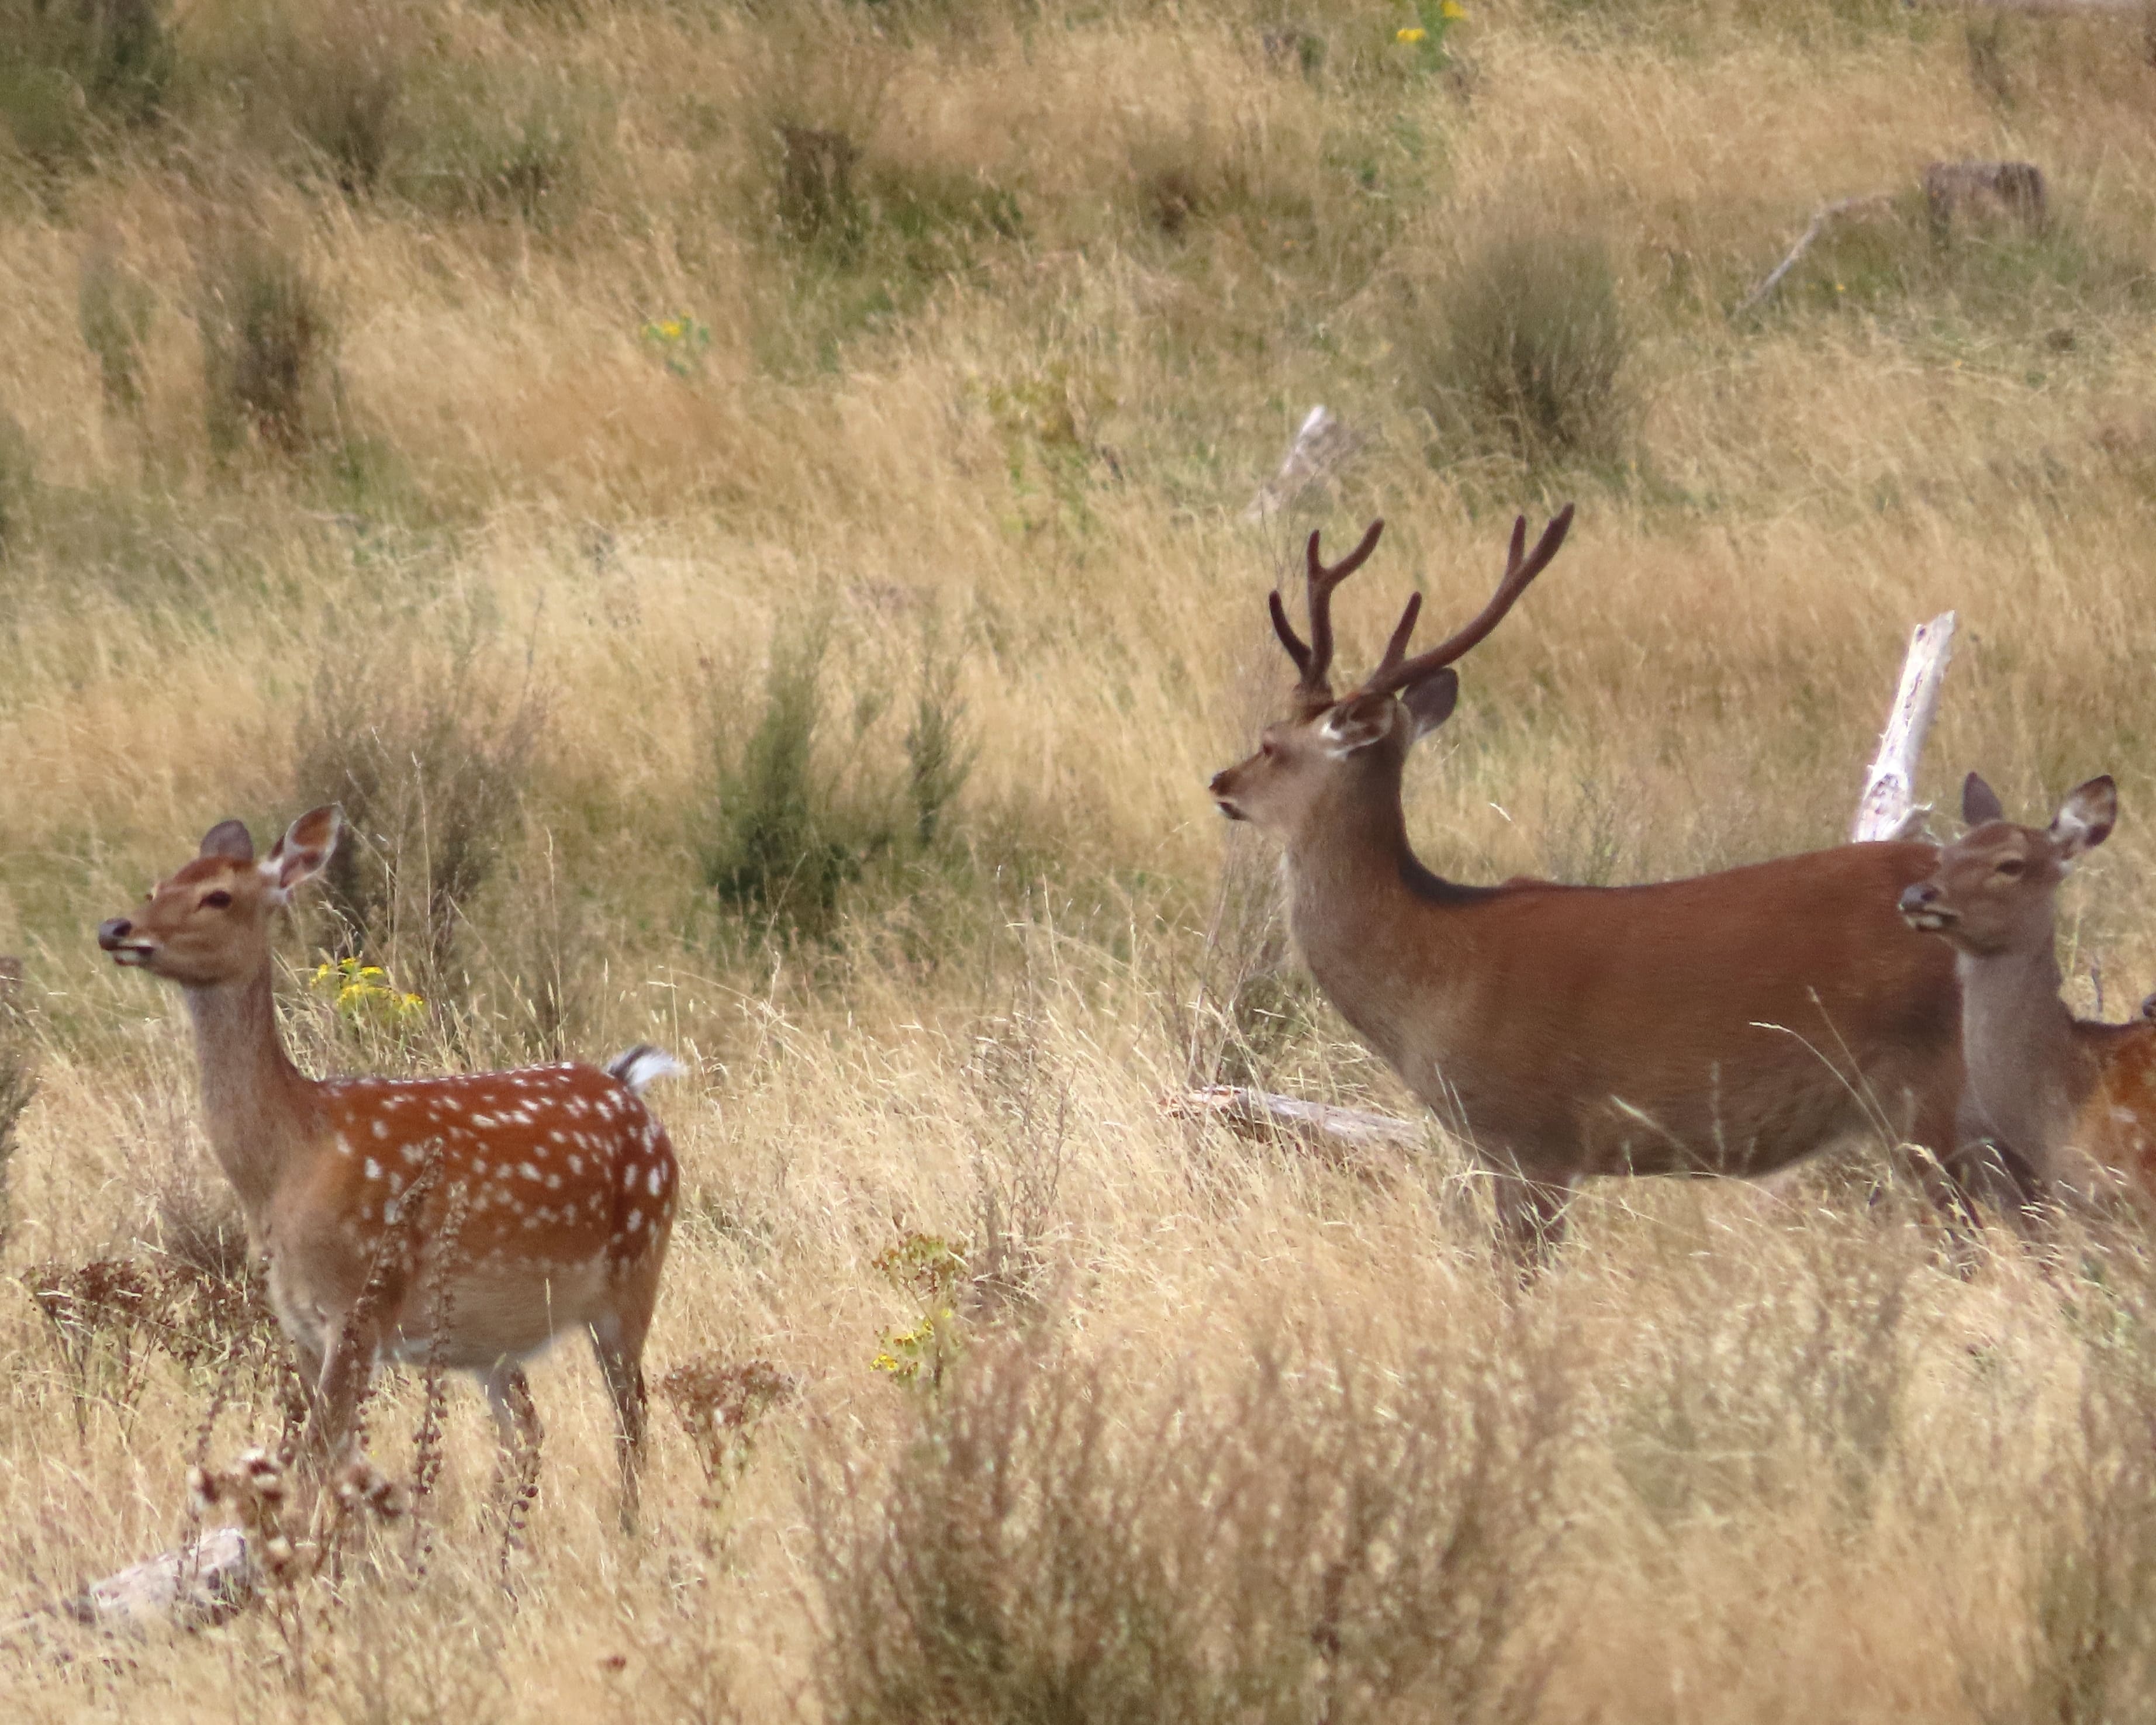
<point>1396,649</point>
<point>1297,649</point>
<point>1394,672</point>
<point>1314,659</point>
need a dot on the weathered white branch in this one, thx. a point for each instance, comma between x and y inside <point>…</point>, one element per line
<point>1259,1114</point>
<point>1826,214</point>
<point>1323,444</point>
<point>1888,809</point>
<point>203,1582</point>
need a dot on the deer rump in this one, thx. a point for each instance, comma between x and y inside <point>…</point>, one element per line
<point>1731,1024</point>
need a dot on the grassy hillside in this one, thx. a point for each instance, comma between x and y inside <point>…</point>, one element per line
<point>746,507</point>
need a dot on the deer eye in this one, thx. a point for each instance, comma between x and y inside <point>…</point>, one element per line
<point>2011,867</point>
<point>1268,748</point>
<point>217,900</point>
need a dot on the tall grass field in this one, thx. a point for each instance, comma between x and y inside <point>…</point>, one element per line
<point>748,507</point>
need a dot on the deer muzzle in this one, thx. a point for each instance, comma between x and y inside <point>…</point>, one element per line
<point>1924,909</point>
<point>115,936</point>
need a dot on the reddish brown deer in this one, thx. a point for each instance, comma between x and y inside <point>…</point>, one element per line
<point>1727,1024</point>
<point>544,1197</point>
<point>2070,1103</point>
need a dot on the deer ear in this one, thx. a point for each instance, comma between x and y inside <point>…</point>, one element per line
<point>1979,802</point>
<point>1430,700</point>
<point>1357,722</point>
<point>228,839</point>
<point>2085,819</point>
<point>303,852</point>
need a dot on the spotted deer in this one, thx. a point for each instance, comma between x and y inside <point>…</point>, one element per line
<point>1727,1024</point>
<point>2070,1103</point>
<point>465,1221</point>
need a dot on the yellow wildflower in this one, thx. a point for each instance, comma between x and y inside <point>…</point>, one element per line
<point>1452,9</point>
<point>1413,34</point>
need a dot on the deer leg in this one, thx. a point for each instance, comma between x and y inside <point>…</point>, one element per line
<point>618,1345</point>
<point>1530,1217</point>
<point>2002,1176</point>
<point>340,1379</point>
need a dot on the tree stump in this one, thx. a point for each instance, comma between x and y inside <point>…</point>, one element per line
<point>1986,194</point>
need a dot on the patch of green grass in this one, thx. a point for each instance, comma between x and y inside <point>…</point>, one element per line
<point>71,71</point>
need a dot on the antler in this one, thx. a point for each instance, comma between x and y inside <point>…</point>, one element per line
<point>1396,671</point>
<point>1315,660</point>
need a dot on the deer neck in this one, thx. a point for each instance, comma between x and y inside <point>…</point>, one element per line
<point>256,1104</point>
<point>2027,1070</point>
<point>1363,911</point>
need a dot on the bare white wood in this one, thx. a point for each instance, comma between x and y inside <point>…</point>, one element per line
<point>204,1582</point>
<point>1826,213</point>
<point>1888,809</point>
<point>1260,1114</point>
<point>1321,444</point>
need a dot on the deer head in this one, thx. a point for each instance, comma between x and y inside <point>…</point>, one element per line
<point>208,924</point>
<point>1355,745</point>
<point>1993,889</point>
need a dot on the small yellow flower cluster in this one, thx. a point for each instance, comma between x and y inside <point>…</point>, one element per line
<point>681,341</point>
<point>903,1351</point>
<point>364,993</point>
<point>1428,32</point>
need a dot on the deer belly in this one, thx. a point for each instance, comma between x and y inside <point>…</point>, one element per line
<point>483,1319</point>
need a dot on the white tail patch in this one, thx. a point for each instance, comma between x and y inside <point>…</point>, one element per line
<point>641,1067</point>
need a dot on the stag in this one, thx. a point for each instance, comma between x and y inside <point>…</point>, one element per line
<point>1729,1024</point>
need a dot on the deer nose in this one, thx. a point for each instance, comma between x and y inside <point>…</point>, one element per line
<point>110,934</point>
<point>1922,896</point>
<point>1218,784</point>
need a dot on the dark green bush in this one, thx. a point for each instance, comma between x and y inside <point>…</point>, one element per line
<point>113,306</point>
<point>790,826</point>
<point>68,68</point>
<point>430,765</point>
<point>500,143</point>
<point>266,336</point>
<point>1522,345</point>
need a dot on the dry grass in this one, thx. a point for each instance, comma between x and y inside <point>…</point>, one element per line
<point>644,340</point>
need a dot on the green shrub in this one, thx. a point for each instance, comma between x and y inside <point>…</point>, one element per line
<point>70,67</point>
<point>342,80</point>
<point>514,144</point>
<point>1523,347</point>
<point>266,336</point>
<point>788,829</point>
<point>19,1080</point>
<point>429,765</point>
<point>19,480</point>
<point>113,306</point>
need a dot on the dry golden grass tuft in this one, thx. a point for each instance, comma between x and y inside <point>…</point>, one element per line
<point>644,340</point>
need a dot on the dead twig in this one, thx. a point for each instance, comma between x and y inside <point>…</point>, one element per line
<point>1826,214</point>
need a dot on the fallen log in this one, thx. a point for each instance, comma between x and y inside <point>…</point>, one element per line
<point>1319,1126</point>
<point>206,1581</point>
